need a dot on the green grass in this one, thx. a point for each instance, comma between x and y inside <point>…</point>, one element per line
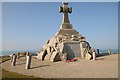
<point>9,74</point>
<point>4,58</point>
<point>6,75</point>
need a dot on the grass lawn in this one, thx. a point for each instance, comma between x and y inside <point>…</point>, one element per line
<point>9,74</point>
<point>4,58</point>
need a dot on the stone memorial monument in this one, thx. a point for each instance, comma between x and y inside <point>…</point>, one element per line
<point>67,43</point>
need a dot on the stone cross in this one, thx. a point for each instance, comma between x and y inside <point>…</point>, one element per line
<point>65,9</point>
<point>14,60</point>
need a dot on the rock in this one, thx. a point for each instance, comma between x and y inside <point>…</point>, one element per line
<point>55,57</point>
<point>42,55</point>
<point>88,56</point>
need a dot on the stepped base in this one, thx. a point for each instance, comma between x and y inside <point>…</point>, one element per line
<point>67,31</point>
<point>66,26</point>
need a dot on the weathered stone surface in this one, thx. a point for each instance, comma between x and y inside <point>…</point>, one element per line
<point>48,55</point>
<point>94,55</point>
<point>28,61</point>
<point>70,43</point>
<point>88,56</point>
<point>68,31</point>
<point>55,57</point>
<point>81,49</point>
<point>65,23</point>
<point>40,55</point>
<point>14,60</point>
<point>11,58</point>
<point>72,49</point>
<point>64,57</point>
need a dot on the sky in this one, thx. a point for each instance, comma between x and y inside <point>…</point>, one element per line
<point>28,25</point>
<point>0,26</point>
<point>60,0</point>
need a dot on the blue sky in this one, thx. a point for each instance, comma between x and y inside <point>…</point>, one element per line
<point>27,26</point>
<point>60,0</point>
<point>0,26</point>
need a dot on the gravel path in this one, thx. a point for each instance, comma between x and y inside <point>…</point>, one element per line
<point>103,67</point>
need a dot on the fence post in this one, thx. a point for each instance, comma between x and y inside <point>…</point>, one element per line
<point>28,61</point>
<point>94,55</point>
<point>14,60</point>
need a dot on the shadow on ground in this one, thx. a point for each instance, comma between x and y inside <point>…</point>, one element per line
<point>39,66</point>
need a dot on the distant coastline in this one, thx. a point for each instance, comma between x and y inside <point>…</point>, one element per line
<point>9,52</point>
<point>106,50</point>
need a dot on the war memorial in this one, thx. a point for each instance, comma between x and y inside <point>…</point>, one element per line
<point>67,43</point>
<point>66,55</point>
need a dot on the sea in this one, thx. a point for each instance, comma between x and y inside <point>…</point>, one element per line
<point>9,52</point>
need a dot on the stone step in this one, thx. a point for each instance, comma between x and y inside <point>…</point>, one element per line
<point>68,31</point>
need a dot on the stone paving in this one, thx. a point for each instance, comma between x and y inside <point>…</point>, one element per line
<point>103,67</point>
